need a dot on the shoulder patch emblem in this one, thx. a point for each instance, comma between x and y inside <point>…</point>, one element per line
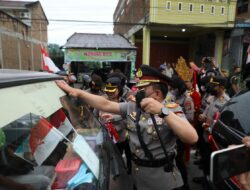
<point>188,105</point>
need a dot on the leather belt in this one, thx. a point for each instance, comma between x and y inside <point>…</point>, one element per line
<point>152,163</point>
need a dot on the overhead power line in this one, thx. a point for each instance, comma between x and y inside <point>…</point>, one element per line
<point>73,21</point>
<point>99,22</point>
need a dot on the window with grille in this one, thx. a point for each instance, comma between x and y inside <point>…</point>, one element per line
<point>212,9</point>
<point>168,5</point>
<point>179,6</point>
<point>202,9</point>
<point>191,7</point>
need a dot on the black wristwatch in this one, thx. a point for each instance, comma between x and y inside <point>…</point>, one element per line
<point>164,112</point>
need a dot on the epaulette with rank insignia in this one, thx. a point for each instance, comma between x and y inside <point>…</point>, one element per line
<point>175,108</point>
<point>172,105</point>
<point>221,98</point>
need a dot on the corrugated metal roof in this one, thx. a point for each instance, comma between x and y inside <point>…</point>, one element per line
<point>15,4</point>
<point>98,41</point>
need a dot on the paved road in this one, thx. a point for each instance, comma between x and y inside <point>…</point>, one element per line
<point>194,171</point>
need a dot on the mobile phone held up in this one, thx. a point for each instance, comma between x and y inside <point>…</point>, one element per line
<point>139,96</point>
<point>229,162</point>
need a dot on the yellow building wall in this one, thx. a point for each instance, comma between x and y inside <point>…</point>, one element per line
<point>160,14</point>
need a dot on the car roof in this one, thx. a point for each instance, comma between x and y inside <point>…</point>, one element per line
<point>24,92</point>
<point>11,77</point>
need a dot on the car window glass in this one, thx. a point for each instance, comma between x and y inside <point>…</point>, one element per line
<point>236,113</point>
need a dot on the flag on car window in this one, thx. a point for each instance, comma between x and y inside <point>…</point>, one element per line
<point>43,140</point>
<point>61,122</point>
<point>48,64</point>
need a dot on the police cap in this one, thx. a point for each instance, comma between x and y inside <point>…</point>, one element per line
<point>119,75</point>
<point>148,75</point>
<point>112,84</point>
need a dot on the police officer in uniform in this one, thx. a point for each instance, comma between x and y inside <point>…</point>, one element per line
<point>217,99</point>
<point>114,89</point>
<point>215,102</point>
<point>153,148</point>
<point>95,85</point>
<point>184,100</point>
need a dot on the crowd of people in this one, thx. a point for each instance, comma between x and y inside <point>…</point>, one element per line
<point>154,121</point>
<point>151,123</point>
<point>191,107</point>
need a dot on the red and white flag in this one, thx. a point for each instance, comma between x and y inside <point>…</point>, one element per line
<point>48,64</point>
<point>61,122</point>
<point>43,140</point>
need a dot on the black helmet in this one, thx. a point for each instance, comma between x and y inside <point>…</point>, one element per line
<point>234,121</point>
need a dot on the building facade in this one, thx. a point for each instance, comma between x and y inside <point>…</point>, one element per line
<point>23,29</point>
<point>88,52</point>
<point>239,40</point>
<point>164,30</point>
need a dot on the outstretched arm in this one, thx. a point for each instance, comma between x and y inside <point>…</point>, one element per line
<point>94,101</point>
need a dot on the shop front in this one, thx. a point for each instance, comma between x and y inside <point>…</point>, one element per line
<point>105,52</point>
<point>85,61</point>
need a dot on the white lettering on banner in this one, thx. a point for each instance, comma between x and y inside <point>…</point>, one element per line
<point>98,53</point>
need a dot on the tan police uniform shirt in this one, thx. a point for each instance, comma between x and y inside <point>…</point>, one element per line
<point>147,178</point>
<point>214,105</point>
